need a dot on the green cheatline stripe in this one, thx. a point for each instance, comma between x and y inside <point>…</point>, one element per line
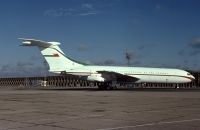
<point>49,56</point>
<point>143,74</point>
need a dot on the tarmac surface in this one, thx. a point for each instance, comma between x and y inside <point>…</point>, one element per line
<point>99,110</point>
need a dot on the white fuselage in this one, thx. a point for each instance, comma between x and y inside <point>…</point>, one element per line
<point>145,75</point>
<point>60,63</point>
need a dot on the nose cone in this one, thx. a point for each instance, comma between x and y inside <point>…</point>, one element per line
<point>192,78</point>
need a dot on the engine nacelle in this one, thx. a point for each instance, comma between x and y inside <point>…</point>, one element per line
<point>95,77</point>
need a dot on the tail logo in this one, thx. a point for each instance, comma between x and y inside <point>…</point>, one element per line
<point>56,55</point>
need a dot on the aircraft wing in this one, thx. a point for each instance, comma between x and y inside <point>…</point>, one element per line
<point>110,75</point>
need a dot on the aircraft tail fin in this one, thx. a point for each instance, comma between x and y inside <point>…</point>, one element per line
<point>55,57</point>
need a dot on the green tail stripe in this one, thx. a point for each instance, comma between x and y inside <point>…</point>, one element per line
<point>48,55</point>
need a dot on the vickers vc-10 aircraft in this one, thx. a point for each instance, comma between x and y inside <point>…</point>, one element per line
<point>60,63</point>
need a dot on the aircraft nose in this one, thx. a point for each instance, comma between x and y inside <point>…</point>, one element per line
<point>193,78</point>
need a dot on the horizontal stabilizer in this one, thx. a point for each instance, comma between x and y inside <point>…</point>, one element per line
<point>39,43</point>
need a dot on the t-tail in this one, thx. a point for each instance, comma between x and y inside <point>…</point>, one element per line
<point>55,57</point>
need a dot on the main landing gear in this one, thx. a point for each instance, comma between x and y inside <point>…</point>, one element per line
<point>107,86</point>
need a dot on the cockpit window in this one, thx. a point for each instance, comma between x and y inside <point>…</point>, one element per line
<point>188,74</point>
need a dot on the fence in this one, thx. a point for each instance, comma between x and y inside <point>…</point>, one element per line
<point>73,81</point>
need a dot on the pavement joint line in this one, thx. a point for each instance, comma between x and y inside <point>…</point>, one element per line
<point>50,124</point>
<point>150,124</point>
<point>33,124</point>
<point>20,127</point>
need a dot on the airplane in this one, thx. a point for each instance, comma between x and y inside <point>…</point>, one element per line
<point>105,76</point>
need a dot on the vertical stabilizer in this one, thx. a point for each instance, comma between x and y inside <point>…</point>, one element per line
<point>54,56</point>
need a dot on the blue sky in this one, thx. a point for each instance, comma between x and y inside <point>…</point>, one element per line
<point>156,33</point>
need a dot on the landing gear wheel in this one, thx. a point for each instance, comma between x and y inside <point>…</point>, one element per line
<point>102,87</point>
<point>110,88</point>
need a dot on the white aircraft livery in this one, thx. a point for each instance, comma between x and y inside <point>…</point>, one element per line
<point>60,63</point>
